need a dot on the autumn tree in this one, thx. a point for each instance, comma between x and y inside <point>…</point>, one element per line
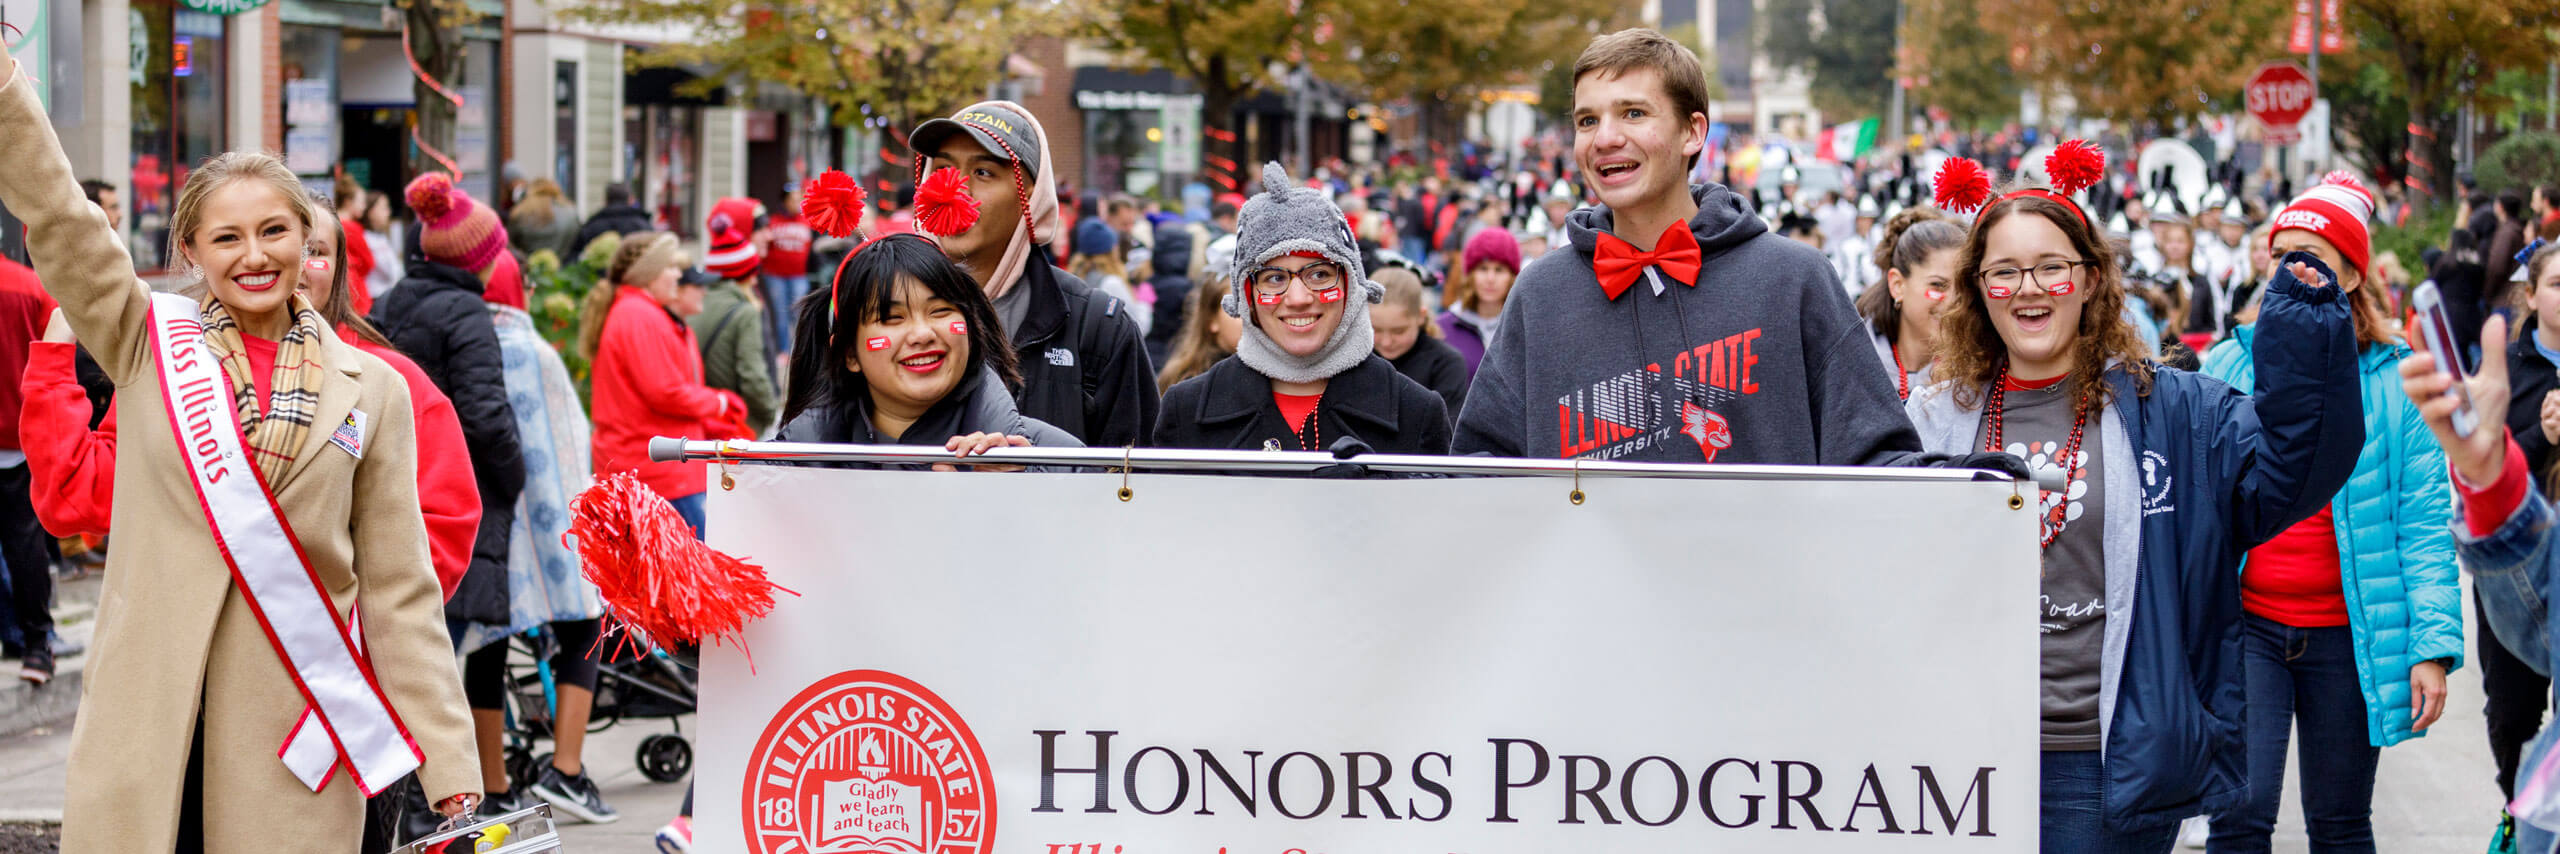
<point>2442,51</point>
<point>434,32</point>
<point>1433,51</point>
<point>901,60</point>
<point>1846,46</point>
<point>2154,60</point>
<point>1436,51</point>
<point>1224,47</point>
<point>1956,65</point>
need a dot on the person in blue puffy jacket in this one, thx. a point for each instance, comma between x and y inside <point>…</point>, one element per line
<point>2353,616</point>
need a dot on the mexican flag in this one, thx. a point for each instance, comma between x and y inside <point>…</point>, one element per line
<point>1846,142</point>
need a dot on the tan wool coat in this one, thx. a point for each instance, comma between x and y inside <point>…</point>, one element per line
<point>176,645</point>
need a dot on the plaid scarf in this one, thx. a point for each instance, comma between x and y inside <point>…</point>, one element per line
<point>277,435</point>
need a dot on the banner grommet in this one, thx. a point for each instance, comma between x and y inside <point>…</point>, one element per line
<point>1576,495</point>
<point>1125,454</point>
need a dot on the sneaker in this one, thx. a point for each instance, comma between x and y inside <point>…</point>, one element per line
<point>2194,832</point>
<point>502,803</point>
<point>37,665</point>
<point>2503,841</point>
<point>677,836</point>
<point>66,649</point>
<point>575,795</point>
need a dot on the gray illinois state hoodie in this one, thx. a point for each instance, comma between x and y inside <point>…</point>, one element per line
<point>1762,361</point>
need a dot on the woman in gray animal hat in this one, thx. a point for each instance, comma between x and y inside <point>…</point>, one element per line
<point>1304,376</point>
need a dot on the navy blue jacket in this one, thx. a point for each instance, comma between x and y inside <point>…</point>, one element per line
<point>2222,473</point>
<point>2206,473</point>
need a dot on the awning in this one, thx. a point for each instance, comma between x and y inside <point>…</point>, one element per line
<point>657,87</point>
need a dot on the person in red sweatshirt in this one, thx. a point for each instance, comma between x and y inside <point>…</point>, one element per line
<point>71,467</point>
<point>23,306</point>
<point>647,376</point>
<point>786,268</point>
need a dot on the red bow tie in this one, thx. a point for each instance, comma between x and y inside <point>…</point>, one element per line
<point>1618,262</point>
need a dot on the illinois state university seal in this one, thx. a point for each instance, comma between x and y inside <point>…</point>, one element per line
<point>868,761</point>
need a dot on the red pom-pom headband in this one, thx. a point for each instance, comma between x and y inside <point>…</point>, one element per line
<point>1964,187</point>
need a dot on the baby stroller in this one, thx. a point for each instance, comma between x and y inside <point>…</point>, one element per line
<point>630,684</point>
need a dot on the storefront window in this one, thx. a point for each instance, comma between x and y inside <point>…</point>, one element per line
<point>179,76</point>
<point>311,103</point>
<point>667,158</point>
<point>475,129</point>
<point>564,125</point>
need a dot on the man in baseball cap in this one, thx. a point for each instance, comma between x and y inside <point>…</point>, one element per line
<point>1070,337</point>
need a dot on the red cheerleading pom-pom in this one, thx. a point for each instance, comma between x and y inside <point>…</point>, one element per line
<point>1962,186</point>
<point>663,585</point>
<point>832,203</point>
<point>2074,166</point>
<point>943,204</point>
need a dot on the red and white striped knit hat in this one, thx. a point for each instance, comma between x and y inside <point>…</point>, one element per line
<point>731,230</point>
<point>2337,210</point>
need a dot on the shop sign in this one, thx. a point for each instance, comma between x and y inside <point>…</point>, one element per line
<point>1092,100</point>
<point>223,7</point>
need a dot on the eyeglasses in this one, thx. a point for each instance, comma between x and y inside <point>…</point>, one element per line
<point>2054,276</point>
<point>1273,282</point>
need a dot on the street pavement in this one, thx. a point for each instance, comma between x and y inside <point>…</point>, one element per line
<point>2436,794</point>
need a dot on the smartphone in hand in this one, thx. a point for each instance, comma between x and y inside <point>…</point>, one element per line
<point>2438,329</point>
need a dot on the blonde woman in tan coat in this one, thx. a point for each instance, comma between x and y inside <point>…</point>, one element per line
<point>188,702</point>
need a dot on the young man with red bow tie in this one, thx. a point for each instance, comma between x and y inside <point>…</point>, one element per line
<point>1675,327</point>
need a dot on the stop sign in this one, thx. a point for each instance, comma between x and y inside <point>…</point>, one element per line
<point>2279,95</point>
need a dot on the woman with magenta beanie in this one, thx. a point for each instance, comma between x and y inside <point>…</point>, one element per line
<point>1477,290</point>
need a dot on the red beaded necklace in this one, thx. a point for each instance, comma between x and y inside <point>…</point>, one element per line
<point>1307,433</point>
<point>2052,523</point>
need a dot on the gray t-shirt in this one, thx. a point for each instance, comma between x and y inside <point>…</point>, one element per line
<point>2072,615</point>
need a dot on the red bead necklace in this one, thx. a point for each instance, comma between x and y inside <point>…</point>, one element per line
<point>1307,433</point>
<point>2052,523</point>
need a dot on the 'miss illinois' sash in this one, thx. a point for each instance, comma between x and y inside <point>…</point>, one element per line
<point>356,724</point>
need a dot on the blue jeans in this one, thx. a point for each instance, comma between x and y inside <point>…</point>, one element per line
<point>690,507</point>
<point>781,295</point>
<point>2075,808</point>
<point>2303,680</point>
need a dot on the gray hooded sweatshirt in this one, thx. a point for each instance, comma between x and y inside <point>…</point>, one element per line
<point>1762,361</point>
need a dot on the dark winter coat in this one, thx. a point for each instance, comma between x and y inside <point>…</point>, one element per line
<point>1438,367</point>
<point>1230,408</point>
<point>985,407</point>
<point>2530,376</point>
<point>1084,365</point>
<point>611,219</point>
<point>1173,290</point>
<point>438,319</point>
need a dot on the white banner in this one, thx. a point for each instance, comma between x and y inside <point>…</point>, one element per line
<point>1024,663</point>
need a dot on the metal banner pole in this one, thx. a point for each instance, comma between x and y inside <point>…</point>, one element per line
<point>667,449</point>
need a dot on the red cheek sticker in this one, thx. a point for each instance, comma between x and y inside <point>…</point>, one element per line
<point>876,344</point>
<point>1329,295</point>
<point>1267,299</point>
<point>959,327</point>
<point>2061,289</point>
<point>1935,293</point>
<point>317,265</point>
<point>1998,292</point>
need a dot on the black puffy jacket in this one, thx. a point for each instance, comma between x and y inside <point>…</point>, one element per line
<point>437,317</point>
<point>610,219</point>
